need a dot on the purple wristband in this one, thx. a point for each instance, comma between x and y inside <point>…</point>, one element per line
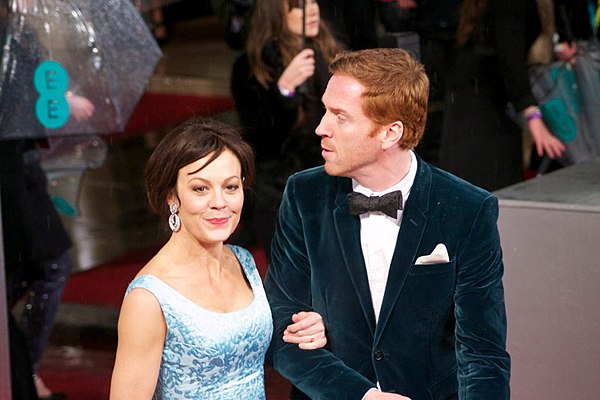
<point>534,115</point>
<point>286,93</point>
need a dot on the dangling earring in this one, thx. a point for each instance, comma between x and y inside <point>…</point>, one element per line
<point>174,221</point>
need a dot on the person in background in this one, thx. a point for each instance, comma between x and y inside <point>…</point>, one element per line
<point>17,254</point>
<point>37,246</point>
<point>195,322</point>
<point>277,85</point>
<point>435,23</point>
<point>44,262</point>
<point>480,142</point>
<point>573,22</point>
<point>401,259</point>
<point>353,22</point>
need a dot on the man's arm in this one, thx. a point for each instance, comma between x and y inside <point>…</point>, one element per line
<point>318,373</point>
<point>483,363</point>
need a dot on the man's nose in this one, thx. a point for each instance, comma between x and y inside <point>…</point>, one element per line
<point>322,129</point>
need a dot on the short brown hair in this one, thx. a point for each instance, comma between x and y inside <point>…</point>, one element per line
<point>186,144</point>
<point>396,88</point>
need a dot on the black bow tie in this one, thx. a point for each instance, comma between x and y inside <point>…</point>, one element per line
<point>389,203</point>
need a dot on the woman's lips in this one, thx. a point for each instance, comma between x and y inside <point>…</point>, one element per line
<point>218,221</point>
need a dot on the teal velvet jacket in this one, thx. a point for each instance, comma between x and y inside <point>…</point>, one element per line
<point>442,328</point>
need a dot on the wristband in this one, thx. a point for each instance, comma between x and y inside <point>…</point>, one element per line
<point>286,93</point>
<point>534,115</point>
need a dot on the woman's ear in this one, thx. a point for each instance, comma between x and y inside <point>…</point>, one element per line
<point>392,135</point>
<point>172,198</point>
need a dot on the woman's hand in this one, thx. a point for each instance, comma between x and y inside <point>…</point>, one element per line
<point>307,330</point>
<point>81,108</point>
<point>545,142</point>
<point>299,70</point>
<point>566,51</point>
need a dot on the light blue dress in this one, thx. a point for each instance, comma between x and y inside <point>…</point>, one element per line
<point>211,355</point>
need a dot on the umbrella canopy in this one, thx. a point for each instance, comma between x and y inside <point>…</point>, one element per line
<point>72,66</point>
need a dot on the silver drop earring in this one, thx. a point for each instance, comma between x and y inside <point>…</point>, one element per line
<point>174,221</point>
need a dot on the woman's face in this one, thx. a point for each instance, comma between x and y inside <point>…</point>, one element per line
<point>294,17</point>
<point>210,199</point>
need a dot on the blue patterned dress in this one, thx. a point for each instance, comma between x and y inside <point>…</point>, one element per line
<point>211,355</point>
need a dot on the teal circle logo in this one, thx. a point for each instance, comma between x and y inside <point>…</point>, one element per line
<point>51,81</point>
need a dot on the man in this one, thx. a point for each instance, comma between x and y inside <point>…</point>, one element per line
<point>412,298</point>
<point>435,22</point>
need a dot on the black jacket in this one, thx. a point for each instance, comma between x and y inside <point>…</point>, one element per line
<point>270,121</point>
<point>31,225</point>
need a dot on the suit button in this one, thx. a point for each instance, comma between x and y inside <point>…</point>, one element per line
<point>379,355</point>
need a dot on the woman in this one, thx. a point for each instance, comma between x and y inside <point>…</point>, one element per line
<point>195,322</point>
<point>480,142</point>
<point>277,86</point>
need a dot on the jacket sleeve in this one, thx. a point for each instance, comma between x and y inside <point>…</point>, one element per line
<point>265,115</point>
<point>510,19</point>
<point>318,373</point>
<point>483,363</point>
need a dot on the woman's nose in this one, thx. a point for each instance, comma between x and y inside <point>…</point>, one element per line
<point>218,200</point>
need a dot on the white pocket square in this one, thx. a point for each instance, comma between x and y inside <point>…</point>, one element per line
<point>437,256</point>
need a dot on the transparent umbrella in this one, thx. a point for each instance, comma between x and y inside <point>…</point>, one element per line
<point>71,66</point>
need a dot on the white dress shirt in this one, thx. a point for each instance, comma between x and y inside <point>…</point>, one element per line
<point>378,235</point>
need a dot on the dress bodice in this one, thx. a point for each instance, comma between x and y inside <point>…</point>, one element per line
<point>212,355</point>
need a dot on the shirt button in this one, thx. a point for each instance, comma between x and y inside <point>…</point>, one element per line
<point>379,355</point>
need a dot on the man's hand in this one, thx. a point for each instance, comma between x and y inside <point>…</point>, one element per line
<point>307,330</point>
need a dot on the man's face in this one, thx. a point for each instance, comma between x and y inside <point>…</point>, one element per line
<point>349,146</point>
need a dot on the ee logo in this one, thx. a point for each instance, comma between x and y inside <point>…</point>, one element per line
<point>51,81</point>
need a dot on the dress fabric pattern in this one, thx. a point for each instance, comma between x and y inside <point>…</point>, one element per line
<point>211,355</point>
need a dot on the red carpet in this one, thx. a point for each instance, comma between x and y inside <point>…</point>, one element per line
<point>156,111</point>
<point>105,284</point>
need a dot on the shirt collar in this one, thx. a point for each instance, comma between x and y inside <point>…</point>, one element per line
<point>404,185</point>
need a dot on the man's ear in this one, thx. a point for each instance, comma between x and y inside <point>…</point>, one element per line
<point>392,135</point>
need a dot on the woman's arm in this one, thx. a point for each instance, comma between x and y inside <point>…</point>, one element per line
<point>142,331</point>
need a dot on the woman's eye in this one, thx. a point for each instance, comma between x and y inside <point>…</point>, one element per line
<point>200,189</point>
<point>233,187</point>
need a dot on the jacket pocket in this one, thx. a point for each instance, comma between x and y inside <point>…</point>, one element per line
<point>441,268</point>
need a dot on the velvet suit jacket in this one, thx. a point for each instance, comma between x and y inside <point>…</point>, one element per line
<point>442,327</point>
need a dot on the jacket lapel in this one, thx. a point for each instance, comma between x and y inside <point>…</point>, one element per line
<point>347,228</point>
<point>413,225</point>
